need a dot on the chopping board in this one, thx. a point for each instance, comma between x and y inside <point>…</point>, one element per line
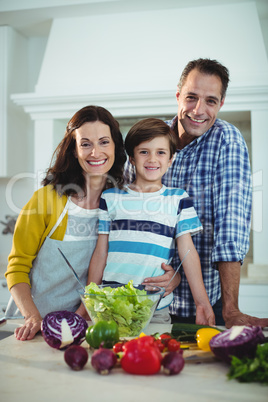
<point>196,355</point>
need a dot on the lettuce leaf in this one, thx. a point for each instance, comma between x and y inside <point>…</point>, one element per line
<point>126,305</point>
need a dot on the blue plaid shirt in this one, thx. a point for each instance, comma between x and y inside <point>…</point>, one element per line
<point>215,171</point>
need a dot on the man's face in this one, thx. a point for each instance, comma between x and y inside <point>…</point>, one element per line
<point>199,102</point>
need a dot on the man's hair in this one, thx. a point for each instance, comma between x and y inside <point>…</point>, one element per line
<point>146,130</point>
<point>207,66</point>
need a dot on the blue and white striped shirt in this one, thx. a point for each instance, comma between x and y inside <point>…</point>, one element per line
<point>215,171</point>
<point>142,229</point>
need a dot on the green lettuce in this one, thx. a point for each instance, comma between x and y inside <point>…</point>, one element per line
<point>128,306</point>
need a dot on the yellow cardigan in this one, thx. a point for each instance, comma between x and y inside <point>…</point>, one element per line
<point>34,223</point>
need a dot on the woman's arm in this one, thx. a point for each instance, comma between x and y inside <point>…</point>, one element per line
<point>192,269</point>
<point>21,294</point>
<point>98,260</point>
<point>96,268</point>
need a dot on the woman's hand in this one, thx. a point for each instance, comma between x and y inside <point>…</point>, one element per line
<point>31,326</point>
<point>83,312</point>
<point>163,280</point>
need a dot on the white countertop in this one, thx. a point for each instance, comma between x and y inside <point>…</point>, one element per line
<point>32,371</point>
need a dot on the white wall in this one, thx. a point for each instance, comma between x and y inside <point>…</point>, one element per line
<point>146,51</point>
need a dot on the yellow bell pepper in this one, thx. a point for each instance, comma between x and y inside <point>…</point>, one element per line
<point>203,337</point>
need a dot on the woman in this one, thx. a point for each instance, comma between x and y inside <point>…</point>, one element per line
<point>64,214</point>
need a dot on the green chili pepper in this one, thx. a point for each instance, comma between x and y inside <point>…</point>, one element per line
<point>103,333</point>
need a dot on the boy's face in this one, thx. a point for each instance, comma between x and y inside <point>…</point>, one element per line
<point>151,160</point>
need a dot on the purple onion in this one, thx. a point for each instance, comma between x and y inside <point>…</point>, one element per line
<point>103,360</point>
<point>63,328</point>
<point>173,363</point>
<point>76,357</point>
<point>232,342</point>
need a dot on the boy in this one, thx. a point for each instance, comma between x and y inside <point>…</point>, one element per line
<point>140,225</point>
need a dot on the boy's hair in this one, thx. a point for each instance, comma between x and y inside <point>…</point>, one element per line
<point>146,130</point>
<point>210,67</point>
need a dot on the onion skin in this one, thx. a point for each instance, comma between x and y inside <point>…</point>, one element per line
<point>103,360</point>
<point>51,328</point>
<point>173,363</point>
<point>76,357</point>
<point>244,345</point>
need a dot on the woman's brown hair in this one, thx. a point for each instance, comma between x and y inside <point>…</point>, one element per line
<point>65,172</point>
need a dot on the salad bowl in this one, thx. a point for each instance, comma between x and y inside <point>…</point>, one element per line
<point>130,306</point>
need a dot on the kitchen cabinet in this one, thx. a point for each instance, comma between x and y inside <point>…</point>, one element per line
<point>4,296</point>
<point>13,121</point>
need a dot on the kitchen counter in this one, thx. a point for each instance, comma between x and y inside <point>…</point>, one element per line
<point>33,371</point>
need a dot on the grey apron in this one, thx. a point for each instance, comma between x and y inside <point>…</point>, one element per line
<point>53,284</point>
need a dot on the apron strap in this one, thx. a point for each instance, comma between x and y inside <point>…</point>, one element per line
<point>64,212</point>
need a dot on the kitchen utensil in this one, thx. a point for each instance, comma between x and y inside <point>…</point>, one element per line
<point>4,319</point>
<point>178,267</point>
<point>73,271</point>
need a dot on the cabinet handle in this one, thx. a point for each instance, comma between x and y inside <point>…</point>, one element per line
<point>4,284</point>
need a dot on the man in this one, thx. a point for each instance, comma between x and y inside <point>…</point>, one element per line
<point>212,165</point>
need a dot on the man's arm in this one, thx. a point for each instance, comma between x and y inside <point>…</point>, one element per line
<point>230,280</point>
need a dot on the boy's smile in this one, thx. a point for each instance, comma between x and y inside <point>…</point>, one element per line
<point>151,160</point>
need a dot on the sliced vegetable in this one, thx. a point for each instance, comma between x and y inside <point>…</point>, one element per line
<point>239,341</point>
<point>63,328</point>
<point>103,333</point>
<point>103,360</point>
<point>76,357</point>
<point>141,356</point>
<point>251,370</point>
<point>203,337</point>
<point>173,363</point>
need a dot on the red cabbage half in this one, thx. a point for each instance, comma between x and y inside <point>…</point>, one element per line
<point>239,341</point>
<point>63,328</point>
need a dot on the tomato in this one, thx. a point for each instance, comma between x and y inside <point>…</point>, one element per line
<point>103,333</point>
<point>165,338</point>
<point>173,345</point>
<point>203,337</point>
<point>141,356</point>
<point>160,345</point>
<point>118,347</point>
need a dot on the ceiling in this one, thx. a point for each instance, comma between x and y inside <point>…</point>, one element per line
<point>34,17</point>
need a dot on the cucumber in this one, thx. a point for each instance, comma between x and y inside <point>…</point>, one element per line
<point>183,331</point>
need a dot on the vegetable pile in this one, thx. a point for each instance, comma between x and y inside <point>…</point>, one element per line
<point>63,328</point>
<point>132,310</point>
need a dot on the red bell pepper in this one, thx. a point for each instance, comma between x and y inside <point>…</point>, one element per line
<point>141,356</point>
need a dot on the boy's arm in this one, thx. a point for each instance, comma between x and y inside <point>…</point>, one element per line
<point>96,267</point>
<point>192,269</point>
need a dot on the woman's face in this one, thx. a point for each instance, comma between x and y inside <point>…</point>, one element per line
<point>95,148</point>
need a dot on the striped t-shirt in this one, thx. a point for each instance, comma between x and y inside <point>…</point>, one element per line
<point>142,229</point>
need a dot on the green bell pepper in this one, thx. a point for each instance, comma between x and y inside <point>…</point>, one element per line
<point>103,333</point>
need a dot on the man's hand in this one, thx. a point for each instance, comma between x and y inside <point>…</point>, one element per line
<point>230,280</point>
<point>237,318</point>
<point>163,280</point>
